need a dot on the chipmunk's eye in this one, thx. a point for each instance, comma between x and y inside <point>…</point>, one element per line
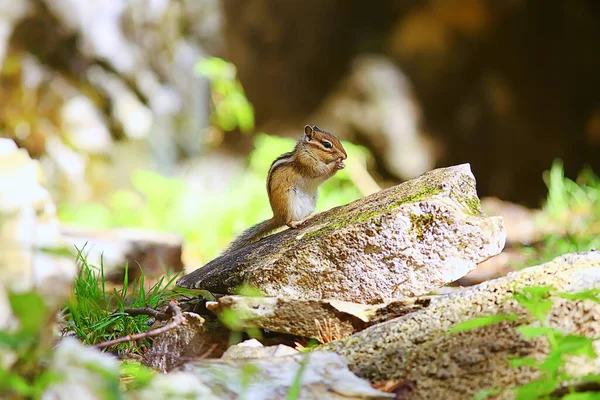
<point>326,144</point>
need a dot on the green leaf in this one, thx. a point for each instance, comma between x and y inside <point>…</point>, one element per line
<point>553,362</point>
<point>591,378</point>
<point>522,362</point>
<point>29,307</point>
<point>532,331</point>
<point>294,391</point>
<point>248,290</point>
<point>482,321</point>
<point>248,374</point>
<point>591,294</point>
<point>485,393</point>
<point>215,68</point>
<point>206,295</point>
<point>535,300</point>
<point>536,389</point>
<point>582,396</point>
<point>16,383</point>
<point>576,345</point>
<point>140,374</point>
<point>231,319</point>
<point>14,340</point>
<point>45,379</point>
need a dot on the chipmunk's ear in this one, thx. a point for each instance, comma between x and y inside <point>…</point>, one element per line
<point>308,132</point>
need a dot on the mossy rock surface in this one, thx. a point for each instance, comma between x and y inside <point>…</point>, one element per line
<point>401,242</point>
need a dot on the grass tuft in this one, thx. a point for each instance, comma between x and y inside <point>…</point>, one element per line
<point>95,315</point>
<point>572,209</point>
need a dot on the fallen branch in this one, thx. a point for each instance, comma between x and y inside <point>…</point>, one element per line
<point>151,312</point>
<point>177,319</point>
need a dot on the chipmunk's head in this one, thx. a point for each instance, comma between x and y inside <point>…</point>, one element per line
<point>326,146</point>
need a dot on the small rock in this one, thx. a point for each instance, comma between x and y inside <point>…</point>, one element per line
<point>254,349</point>
<point>191,340</point>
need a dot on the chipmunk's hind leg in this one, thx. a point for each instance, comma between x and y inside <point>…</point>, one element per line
<point>296,224</point>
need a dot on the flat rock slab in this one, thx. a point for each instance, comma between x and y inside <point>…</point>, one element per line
<point>417,347</point>
<point>401,242</point>
<point>323,376</point>
<point>319,319</point>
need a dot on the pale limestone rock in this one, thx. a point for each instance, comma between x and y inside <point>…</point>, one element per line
<point>175,385</point>
<point>325,376</point>
<point>254,349</point>
<point>311,318</point>
<point>28,227</point>
<point>401,242</point>
<point>85,372</point>
<point>417,347</point>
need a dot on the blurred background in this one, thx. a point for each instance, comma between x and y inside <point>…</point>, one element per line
<point>166,114</point>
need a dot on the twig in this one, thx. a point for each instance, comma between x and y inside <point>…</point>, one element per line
<point>177,320</point>
<point>158,315</point>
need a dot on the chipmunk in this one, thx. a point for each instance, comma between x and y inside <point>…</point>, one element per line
<point>293,182</point>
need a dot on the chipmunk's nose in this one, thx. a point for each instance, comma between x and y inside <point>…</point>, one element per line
<point>343,155</point>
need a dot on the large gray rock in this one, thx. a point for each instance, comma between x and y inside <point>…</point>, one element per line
<point>401,242</point>
<point>417,348</point>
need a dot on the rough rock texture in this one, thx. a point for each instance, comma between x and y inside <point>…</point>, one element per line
<point>400,242</point>
<point>312,318</point>
<point>155,252</point>
<point>324,376</point>
<point>195,338</point>
<point>416,348</point>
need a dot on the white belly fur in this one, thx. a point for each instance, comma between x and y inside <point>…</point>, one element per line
<point>304,199</point>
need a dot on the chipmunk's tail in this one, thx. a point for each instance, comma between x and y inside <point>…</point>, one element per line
<point>253,234</point>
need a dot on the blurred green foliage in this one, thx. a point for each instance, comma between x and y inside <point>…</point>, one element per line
<point>93,314</point>
<point>231,107</point>
<point>573,208</point>
<point>25,348</point>
<point>207,220</point>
